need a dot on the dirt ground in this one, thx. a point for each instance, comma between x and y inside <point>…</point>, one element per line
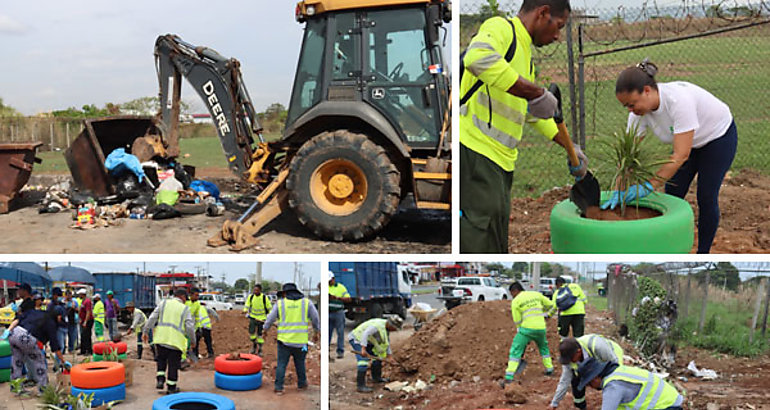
<point>409,231</point>
<point>465,353</point>
<point>744,227</point>
<point>230,335</point>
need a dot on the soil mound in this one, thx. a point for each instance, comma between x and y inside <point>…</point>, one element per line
<point>470,340</point>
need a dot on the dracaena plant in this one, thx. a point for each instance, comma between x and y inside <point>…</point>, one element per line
<point>631,161</point>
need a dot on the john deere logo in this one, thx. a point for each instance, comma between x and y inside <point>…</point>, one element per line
<point>378,93</point>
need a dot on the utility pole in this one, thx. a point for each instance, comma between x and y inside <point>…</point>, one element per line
<point>259,272</point>
<point>757,305</point>
<point>705,300</point>
<point>764,317</point>
<point>535,277</point>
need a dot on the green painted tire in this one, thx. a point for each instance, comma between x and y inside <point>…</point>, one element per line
<point>99,358</point>
<point>672,232</point>
<point>5,348</point>
<point>5,375</point>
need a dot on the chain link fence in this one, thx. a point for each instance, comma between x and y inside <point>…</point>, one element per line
<point>723,47</point>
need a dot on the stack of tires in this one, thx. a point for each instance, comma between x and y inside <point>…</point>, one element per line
<point>106,380</point>
<point>238,374</point>
<point>103,349</point>
<point>5,361</point>
<point>193,400</point>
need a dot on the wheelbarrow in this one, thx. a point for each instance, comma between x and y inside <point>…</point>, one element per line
<point>16,161</point>
<point>421,317</point>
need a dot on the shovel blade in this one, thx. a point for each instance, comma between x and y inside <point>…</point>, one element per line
<point>586,192</point>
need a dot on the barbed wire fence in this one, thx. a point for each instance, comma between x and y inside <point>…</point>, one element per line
<point>722,46</point>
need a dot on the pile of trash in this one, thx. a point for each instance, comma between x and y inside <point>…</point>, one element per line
<point>143,190</point>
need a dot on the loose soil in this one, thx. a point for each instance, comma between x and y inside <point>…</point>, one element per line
<point>632,214</point>
<point>744,227</point>
<point>467,349</point>
<point>409,231</point>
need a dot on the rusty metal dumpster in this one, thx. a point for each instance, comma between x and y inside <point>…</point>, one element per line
<point>85,156</point>
<point>16,160</point>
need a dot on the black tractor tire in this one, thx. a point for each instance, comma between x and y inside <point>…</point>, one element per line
<point>382,193</point>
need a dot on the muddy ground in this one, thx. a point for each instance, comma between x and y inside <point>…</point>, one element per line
<point>27,231</point>
<point>465,353</point>
<point>230,335</point>
<point>744,201</point>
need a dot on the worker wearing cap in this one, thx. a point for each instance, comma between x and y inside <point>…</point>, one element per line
<point>71,307</point>
<point>256,309</point>
<point>625,387</point>
<point>338,296</point>
<point>138,319</point>
<point>112,307</point>
<point>575,352</point>
<point>293,315</point>
<point>98,318</point>
<point>498,94</point>
<point>528,309</point>
<point>173,328</point>
<point>86,323</point>
<point>370,340</point>
<point>569,300</point>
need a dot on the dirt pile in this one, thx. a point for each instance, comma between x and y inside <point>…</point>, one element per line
<point>231,334</point>
<point>469,340</point>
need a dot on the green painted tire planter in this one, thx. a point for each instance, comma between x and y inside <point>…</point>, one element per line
<point>5,348</point>
<point>672,232</point>
<point>100,358</point>
<point>5,375</point>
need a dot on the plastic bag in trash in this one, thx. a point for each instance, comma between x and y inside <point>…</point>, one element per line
<point>167,197</point>
<point>119,162</point>
<point>200,185</point>
<point>182,175</point>
<point>163,211</point>
<point>170,184</point>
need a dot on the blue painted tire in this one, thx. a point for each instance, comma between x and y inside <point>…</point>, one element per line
<point>193,400</point>
<point>238,383</point>
<point>102,396</point>
<point>5,348</point>
<point>5,375</point>
<point>5,362</point>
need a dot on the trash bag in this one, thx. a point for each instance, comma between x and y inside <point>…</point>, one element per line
<point>200,185</point>
<point>170,184</point>
<point>167,197</point>
<point>182,176</point>
<point>142,201</point>
<point>128,186</point>
<point>78,198</point>
<point>163,211</point>
<point>120,162</point>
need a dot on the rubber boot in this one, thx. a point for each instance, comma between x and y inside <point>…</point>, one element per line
<point>253,347</point>
<point>139,351</point>
<point>377,372</point>
<point>172,389</point>
<point>361,382</point>
<point>160,383</point>
<point>259,350</point>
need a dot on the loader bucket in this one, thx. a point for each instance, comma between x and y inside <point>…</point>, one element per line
<point>16,160</point>
<point>85,156</point>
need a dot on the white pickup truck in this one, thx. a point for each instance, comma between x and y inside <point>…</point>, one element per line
<point>215,301</point>
<point>471,289</point>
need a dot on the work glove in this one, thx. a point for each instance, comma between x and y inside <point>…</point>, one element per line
<point>544,106</point>
<point>614,201</point>
<point>581,169</point>
<point>5,335</point>
<point>638,191</point>
<point>245,314</point>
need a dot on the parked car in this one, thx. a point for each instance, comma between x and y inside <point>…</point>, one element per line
<point>472,289</point>
<point>240,299</point>
<point>547,286</point>
<point>215,301</point>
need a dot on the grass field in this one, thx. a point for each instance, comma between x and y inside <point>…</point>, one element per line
<point>732,67</point>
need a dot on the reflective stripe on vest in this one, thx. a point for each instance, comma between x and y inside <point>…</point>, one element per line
<point>379,347</point>
<point>170,327</point>
<point>654,393</point>
<point>257,306</point>
<point>293,321</point>
<point>203,320</point>
<point>99,311</point>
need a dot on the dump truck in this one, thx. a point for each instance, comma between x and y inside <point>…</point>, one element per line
<point>376,288</point>
<point>367,129</point>
<point>129,287</point>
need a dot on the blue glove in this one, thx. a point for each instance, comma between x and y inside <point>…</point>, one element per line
<point>638,192</point>
<point>614,200</point>
<point>67,365</point>
<point>5,335</point>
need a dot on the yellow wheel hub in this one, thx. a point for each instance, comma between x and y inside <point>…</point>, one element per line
<point>338,187</point>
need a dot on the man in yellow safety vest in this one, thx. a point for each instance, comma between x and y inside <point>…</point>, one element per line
<point>256,308</point>
<point>293,314</point>
<point>203,325</point>
<point>172,327</point>
<point>98,317</point>
<point>626,387</point>
<point>338,296</point>
<point>371,339</point>
<point>569,300</point>
<point>529,310</point>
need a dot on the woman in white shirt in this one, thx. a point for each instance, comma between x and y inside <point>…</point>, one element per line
<point>698,125</point>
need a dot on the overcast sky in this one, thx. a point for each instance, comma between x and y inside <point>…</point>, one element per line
<point>59,54</point>
<point>277,271</point>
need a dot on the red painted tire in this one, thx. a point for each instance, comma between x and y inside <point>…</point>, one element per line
<point>107,347</point>
<point>97,375</point>
<point>249,364</point>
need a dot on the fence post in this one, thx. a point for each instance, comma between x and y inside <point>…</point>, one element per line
<point>687,293</point>
<point>757,305</point>
<point>581,87</point>
<point>50,127</point>
<point>705,300</point>
<point>764,316</point>
<point>67,124</point>
<point>571,73</point>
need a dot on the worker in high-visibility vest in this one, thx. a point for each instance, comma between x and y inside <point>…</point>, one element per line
<point>195,306</point>
<point>338,296</point>
<point>371,340</point>
<point>98,318</point>
<point>576,351</point>
<point>293,315</point>
<point>498,95</point>
<point>529,310</point>
<point>569,300</point>
<point>172,329</point>
<point>138,319</point>
<point>203,329</point>
<point>626,387</point>
<point>256,309</point>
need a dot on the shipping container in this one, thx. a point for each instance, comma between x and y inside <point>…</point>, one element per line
<point>376,288</point>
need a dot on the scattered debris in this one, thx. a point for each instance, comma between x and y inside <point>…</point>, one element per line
<point>705,374</point>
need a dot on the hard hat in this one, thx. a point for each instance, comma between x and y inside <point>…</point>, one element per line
<point>329,275</point>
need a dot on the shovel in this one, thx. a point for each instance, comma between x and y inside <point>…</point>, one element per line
<point>586,192</point>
